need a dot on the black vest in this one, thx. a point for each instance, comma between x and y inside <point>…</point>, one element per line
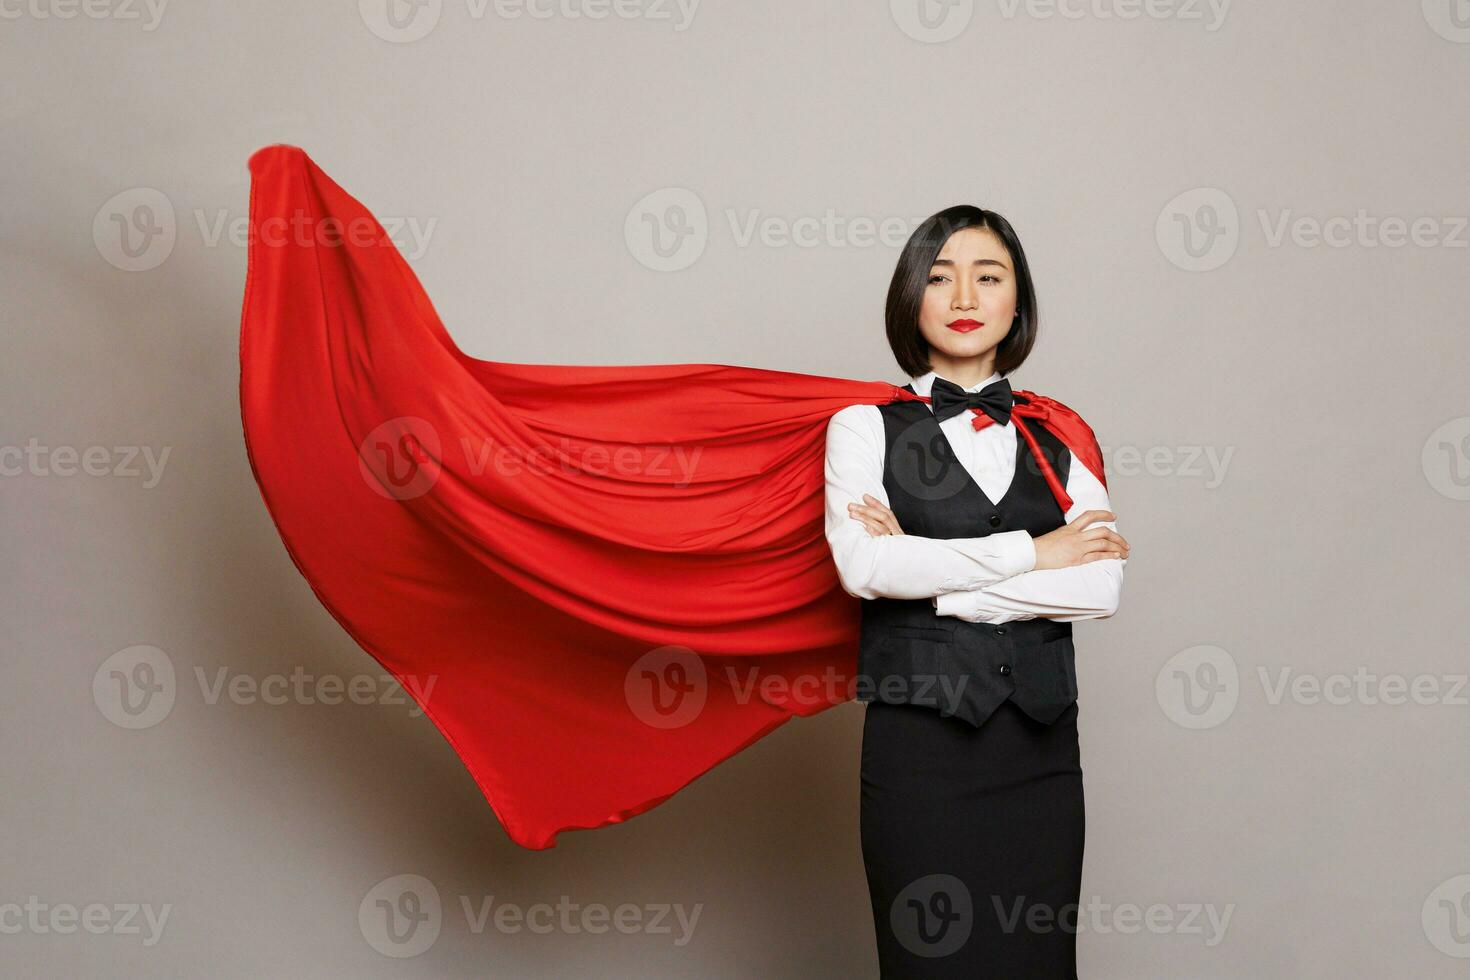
<point>909,654</point>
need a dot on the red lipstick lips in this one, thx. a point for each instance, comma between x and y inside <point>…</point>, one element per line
<point>965,326</point>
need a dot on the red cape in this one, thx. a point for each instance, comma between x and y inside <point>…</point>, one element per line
<point>577,571</point>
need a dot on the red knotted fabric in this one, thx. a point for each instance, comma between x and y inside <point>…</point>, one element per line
<point>597,581</point>
<point>1049,413</point>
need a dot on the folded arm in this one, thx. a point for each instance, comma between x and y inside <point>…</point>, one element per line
<point>1088,591</point>
<point>902,566</point>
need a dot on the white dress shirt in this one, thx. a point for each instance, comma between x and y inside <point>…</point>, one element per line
<point>987,579</point>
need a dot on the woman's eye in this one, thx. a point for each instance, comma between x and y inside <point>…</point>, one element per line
<point>935,278</point>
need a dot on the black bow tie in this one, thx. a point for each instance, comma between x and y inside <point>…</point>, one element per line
<point>948,398</point>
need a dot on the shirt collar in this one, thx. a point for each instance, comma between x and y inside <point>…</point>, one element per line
<point>925,381</point>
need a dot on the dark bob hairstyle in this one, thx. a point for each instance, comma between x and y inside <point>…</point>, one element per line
<point>911,279</point>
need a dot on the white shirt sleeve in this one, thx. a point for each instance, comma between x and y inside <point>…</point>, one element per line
<point>902,566</point>
<point>1088,591</point>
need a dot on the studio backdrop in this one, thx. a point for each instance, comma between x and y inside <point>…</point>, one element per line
<point>1247,225</point>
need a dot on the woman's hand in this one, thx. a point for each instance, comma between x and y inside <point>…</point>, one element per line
<point>1076,543</point>
<point>875,517</point>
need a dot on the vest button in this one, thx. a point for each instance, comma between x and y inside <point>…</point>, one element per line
<point>995,520</point>
<point>1005,668</point>
<point>1000,631</point>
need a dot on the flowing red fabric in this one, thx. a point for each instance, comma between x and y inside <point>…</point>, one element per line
<point>597,581</point>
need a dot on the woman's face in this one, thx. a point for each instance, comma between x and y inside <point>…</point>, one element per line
<point>971,280</point>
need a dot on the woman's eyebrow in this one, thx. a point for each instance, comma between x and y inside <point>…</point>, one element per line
<point>976,262</point>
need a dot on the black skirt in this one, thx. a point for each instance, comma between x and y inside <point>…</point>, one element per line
<point>972,841</point>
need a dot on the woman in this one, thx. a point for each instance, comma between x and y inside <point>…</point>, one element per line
<point>972,807</point>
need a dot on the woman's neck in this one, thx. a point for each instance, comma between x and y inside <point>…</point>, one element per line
<point>967,372</point>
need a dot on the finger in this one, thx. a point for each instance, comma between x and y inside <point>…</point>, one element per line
<point>861,513</point>
<point>1088,516</point>
<point>1102,545</point>
<point>879,512</point>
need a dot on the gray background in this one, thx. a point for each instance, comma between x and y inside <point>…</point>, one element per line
<point>1146,162</point>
